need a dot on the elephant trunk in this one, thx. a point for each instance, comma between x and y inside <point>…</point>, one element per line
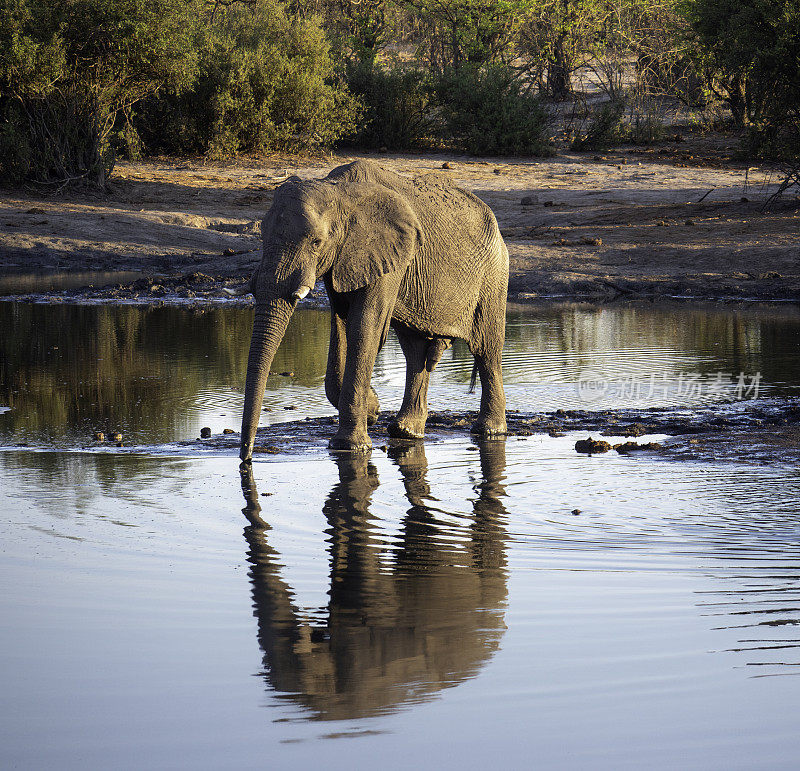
<point>269,327</point>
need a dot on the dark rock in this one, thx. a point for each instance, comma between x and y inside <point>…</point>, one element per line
<point>228,431</point>
<point>446,165</point>
<point>528,200</point>
<point>627,447</point>
<point>591,446</point>
<point>205,432</point>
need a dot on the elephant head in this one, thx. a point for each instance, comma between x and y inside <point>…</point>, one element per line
<point>351,230</point>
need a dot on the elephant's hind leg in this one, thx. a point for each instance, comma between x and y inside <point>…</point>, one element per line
<point>422,354</point>
<point>492,415</point>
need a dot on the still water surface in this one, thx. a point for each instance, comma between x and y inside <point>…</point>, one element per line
<point>436,605</point>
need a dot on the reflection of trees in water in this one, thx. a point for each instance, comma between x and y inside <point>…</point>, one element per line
<point>65,484</point>
<point>77,368</point>
<point>403,620</point>
<point>720,340</point>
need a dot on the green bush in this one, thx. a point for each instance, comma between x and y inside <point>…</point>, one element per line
<point>69,69</point>
<point>264,82</point>
<point>397,104</point>
<point>487,111</point>
<point>750,52</point>
<point>604,128</point>
<point>616,122</point>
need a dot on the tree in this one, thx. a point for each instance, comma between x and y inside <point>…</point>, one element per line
<point>264,81</point>
<point>469,32</point>
<point>750,51</point>
<point>69,68</point>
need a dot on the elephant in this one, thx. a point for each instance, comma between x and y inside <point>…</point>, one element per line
<point>403,620</point>
<point>419,255</point>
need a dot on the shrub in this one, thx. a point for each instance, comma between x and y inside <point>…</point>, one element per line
<point>397,104</point>
<point>487,111</point>
<point>265,81</point>
<point>68,69</point>
<point>604,127</point>
<point>616,122</point>
<point>750,51</point>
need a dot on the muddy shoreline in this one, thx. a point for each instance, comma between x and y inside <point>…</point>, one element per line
<point>681,220</point>
<point>764,431</point>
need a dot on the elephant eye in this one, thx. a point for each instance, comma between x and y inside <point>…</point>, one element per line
<point>316,242</point>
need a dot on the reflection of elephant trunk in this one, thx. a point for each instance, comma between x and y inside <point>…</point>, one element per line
<point>404,619</point>
<point>419,255</point>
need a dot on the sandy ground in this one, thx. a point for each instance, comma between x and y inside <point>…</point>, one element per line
<point>680,219</point>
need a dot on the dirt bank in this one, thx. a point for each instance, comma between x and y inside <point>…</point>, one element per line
<point>633,223</point>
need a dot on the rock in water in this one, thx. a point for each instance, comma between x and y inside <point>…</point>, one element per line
<point>591,446</point>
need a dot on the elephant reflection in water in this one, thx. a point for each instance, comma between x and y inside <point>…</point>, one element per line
<point>403,621</point>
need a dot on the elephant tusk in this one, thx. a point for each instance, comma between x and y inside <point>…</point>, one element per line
<point>300,292</point>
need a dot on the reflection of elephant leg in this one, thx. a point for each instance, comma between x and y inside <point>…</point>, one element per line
<point>367,327</point>
<point>337,356</point>
<point>422,355</point>
<point>413,465</point>
<point>487,545</point>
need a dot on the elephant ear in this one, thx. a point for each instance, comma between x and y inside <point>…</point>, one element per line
<point>381,235</point>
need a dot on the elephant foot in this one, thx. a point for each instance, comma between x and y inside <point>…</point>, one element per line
<point>489,427</point>
<point>403,428</point>
<point>350,443</point>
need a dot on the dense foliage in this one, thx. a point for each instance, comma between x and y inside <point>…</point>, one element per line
<point>83,80</point>
<point>264,81</point>
<point>750,52</point>
<point>69,70</point>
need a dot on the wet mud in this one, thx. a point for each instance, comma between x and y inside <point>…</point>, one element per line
<point>766,432</point>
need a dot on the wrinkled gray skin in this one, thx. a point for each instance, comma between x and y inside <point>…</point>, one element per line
<point>419,255</point>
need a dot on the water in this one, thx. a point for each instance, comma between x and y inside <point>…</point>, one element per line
<point>161,374</point>
<point>433,605</point>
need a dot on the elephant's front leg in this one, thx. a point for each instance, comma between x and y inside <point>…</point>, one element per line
<point>366,328</point>
<point>337,357</point>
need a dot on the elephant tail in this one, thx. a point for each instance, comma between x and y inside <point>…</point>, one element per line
<point>474,377</point>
